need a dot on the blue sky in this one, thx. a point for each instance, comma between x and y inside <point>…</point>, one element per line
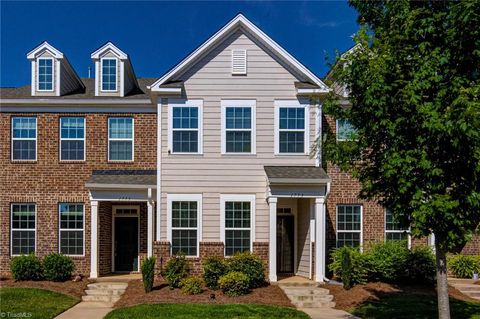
<point>157,35</point>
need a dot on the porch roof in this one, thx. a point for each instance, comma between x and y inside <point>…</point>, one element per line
<point>296,175</point>
<point>137,178</point>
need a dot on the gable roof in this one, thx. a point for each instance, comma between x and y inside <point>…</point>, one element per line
<point>109,46</point>
<point>44,46</point>
<point>237,22</point>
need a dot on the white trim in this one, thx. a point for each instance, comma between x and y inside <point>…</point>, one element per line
<point>349,231</point>
<point>186,198</point>
<point>38,74</point>
<point>159,170</point>
<point>320,234</point>
<point>306,131</point>
<point>71,229</point>
<point>109,46</point>
<point>99,101</point>
<point>122,78</point>
<point>318,134</point>
<point>73,139</point>
<point>93,238</point>
<point>57,78</point>
<point>22,229</point>
<point>97,77</point>
<point>33,79</point>
<point>116,74</point>
<point>237,198</point>
<point>47,47</point>
<point>185,103</point>
<point>114,215</point>
<point>272,244</point>
<point>24,139</point>
<point>253,131</point>
<point>170,90</point>
<point>132,139</point>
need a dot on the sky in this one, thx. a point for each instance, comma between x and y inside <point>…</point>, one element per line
<point>157,35</point>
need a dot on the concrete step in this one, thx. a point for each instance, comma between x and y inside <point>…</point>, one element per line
<point>294,291</point>
<point>313,298</point>
<point>309,304</point>
<point>453,281</point>
<point>105,292</point>
<point>108,285</point>
<point>298,284</point>
<point>472,293</point>
<point>467,287</point>
<point>101,298</point>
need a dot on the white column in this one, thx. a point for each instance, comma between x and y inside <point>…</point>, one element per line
<point>319,239</point>
<point>272,245</point>
<point>149,228</point>
<point>94,239</point>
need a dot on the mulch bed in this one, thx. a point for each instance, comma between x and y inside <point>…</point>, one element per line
<point>75,289</point>
<point>134,295</point>
<point>348,299</point>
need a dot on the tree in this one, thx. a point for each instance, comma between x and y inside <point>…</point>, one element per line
<point>414,93</point>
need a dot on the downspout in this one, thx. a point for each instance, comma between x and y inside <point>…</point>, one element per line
<point>159,168</point>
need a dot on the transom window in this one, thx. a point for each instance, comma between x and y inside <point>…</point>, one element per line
<point>291,128</point>
<point>23,229</point>
<point>120,139</point>
<point>345,130</point>
<point>185,127</point>
<point>393,231</point>
<point>71,228</point>
<point>349,225</point>
<point>109,74</point>
<point>238,126</point>
<point>237,213</point>
<point>185,218</point>
<point>72,138</point>
<point>24,138</point>
<point>45,74</point>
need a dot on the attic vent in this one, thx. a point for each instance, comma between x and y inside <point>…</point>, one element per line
<point>239,61</point>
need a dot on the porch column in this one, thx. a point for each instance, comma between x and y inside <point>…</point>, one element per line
<point>94,239</point>
<point>319,239</point>
<point>149,228</point>
<point>272,245</point>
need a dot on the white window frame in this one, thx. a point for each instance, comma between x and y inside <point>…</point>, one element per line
<point>306,131</point>
<point>101,74</point>
<point>237,198</point>
<point>252,104</point>
<point>185,103</point>
<point>336,132</point>
<point>185,198</point>
<point>74,139</point>
<point>71,229</point>
<point>349,231</point>
<point>22,229</point>
<point>38,74</point>
<point>132,139</point>
<point>391,231</point>
<point>24,139</point>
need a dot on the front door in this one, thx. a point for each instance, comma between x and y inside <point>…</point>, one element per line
<point>126,243</point>
<point>285,241</point>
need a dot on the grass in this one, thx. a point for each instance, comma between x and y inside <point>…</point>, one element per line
<point>206,311</point>
<point>413,306</point>
<point>40,303</point>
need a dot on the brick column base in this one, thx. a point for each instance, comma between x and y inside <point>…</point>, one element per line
<point>261,250</point>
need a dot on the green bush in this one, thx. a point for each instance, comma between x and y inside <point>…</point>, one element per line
<point>250,265</point>
<point>26,267</point>
<point>348,265</point>
<point>58,267</point>
<point>234,283</point>
<point>213,268</point>
<point>420,266</point>
<point>192,285</point>
<point>175,270</point>
<point>463,266</point>
<point>148,273</point>
<point>385,261</point>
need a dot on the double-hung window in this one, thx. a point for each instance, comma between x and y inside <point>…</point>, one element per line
<point>185,127</point>
<point>345,130</point>
<point>45,74</point>
<point>237,216</point>
<point>238,126</point>
<point>72,138</point>
<point>349,225</point>
<point>185,219</point>
<point>23,228</point>
<point>109,74</point>
<point>393,231</point>
<point>120,139</point>
<point>291,122</point>
<point>24,138</point>
<point>71,228</point>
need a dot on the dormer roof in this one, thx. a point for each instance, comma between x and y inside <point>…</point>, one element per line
<point>40,49</point>
<point>109,47</point>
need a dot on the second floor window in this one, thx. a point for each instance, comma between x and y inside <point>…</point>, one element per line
<point>109,74</point>
<point>24,138</point>
<point>185,130</point>
<point>72,138</point>
<point>393,231</point>
<point>291,128</point>
<point>45,74</point>
<point>120,139</point>
<point>345,130</point>
<point>238,127</point>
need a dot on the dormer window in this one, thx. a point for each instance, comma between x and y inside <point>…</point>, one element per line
<point>109,74</point>
<point>45,74</point>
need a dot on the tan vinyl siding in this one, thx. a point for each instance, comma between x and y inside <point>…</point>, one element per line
<point>303,237</point>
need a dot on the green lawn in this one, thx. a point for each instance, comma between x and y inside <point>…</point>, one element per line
<point>42,304</point>
<point>414,307</point>
<point>205,311</point>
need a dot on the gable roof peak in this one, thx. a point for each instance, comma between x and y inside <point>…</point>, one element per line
<point>42,47</point>
<point>109,46</point>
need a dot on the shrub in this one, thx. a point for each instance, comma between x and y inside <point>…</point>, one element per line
<point>58,267</point>
<point>213,269</point>
<point>192,285</point>
<point>148,273</point>
<point>175,270</point>
<point>420,266</point>
<point>234,283</point>
<point>385,261</point>
<point>348,265</point>
<point>250,265</point>
<point>463,266</point>
<point>26,267</point>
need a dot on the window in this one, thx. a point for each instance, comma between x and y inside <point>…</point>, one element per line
<point>392,228</point>
<point>185,229</point>
<point>24,138</point>
<point>349,225</point>
<point>345,130</point>
<point>23,229</point>
<point>185,127</point>
<point>72,139</point>
<point>109,74</point>
<point>45,74</point>
<point>239,62</point>
<point>291,122</point>
<point>238,126</point>
<point>237,216</point>
<point>71,229</point>
<point>120,139</point>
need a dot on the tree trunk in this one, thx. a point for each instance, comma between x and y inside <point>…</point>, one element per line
<point>442,284</point>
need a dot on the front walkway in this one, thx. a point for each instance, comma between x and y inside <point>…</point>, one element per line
<point>87,310</point>
<point>327,313</point>
<point>466,287</point>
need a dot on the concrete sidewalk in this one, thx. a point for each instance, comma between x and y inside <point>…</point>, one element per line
<point>327,313</point>
<point>86,310</point>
